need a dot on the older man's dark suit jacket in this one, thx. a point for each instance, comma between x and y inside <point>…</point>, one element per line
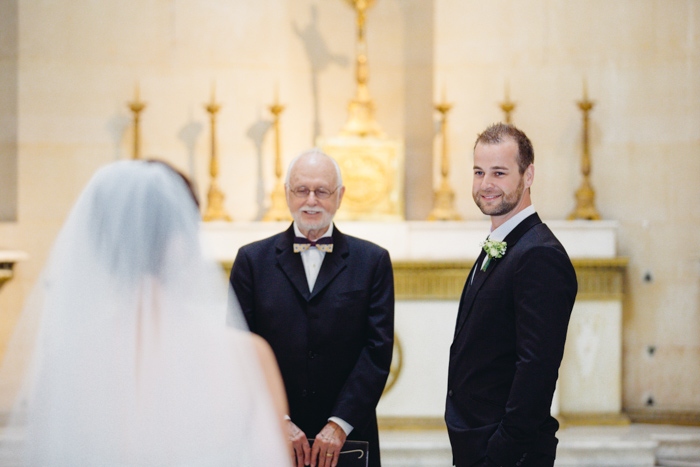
<point>333,344</point>
<point>508,344</point>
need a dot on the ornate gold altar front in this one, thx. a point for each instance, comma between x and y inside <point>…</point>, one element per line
<point>5,273</point>
<point>598,279</point>
<point>372,171</point>
<point>7,263</point>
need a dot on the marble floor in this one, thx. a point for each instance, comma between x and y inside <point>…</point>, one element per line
<point>635,445</point>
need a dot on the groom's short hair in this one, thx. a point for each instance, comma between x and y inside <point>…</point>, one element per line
<point>498,132</point>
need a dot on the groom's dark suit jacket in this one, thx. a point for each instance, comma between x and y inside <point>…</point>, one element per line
<point>333,344</point>
<point>508,344</point>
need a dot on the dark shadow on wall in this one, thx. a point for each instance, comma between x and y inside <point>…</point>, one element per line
<point>119,127</point>
<point>9,109</point>
<point>188,135</point>
<point>257,132</point>
<point>320,58</point>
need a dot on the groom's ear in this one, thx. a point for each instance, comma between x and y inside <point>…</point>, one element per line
<point>529,175</point>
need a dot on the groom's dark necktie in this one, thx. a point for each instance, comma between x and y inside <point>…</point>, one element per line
<point>477,266</point>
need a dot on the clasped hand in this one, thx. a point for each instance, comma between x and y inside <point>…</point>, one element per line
<point>326,448</point>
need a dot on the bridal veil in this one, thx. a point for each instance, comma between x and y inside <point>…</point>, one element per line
<point>132,361</point>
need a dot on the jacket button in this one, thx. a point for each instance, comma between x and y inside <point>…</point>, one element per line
<point>449,393</point>
<point>312,355</point>
<point>303,393</point>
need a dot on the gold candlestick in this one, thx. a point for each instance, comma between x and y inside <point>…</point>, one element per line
<point>361,120</point>
<point>443,209</point>
<point>215,197</point>
<point>278,209</point>
<point>585,195</point>
<point>507,106</point>
<point>136,107</point>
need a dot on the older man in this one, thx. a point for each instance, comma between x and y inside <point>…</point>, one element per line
<point>325,303</point>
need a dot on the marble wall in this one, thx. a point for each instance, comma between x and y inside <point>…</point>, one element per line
<point>76,64</point>
<point>8,110</point>
<point>641,63</point>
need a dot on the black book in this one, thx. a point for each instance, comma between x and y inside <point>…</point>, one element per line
<point>353,454</point>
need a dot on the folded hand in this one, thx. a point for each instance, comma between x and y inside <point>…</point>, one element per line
<point>327,446</point>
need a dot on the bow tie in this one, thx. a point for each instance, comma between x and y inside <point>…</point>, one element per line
<point>323,244</point>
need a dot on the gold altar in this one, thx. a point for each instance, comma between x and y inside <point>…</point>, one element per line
<point>372,173</point>
<point>8,258</point>
<point>598,278</point>
<point>371,164</point>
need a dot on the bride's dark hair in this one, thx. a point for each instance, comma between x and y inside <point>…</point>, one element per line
<point>148,209</point>
<point>184,178</point>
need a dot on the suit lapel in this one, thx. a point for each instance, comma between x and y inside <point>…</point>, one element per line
<point>470,292</point>
<point>520,229</point>
<point>465,306</point>
<point>333,263</point>
<point>291,262</point>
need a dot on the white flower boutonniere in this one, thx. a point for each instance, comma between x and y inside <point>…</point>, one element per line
<point>493,249</point>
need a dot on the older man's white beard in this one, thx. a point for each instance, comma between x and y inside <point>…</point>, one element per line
<point>323,222</point>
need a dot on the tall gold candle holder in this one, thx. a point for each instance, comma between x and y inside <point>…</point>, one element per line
<point>361,121</point>
<point>443,209</point>
<point>215,197</point>
<point>585,195</point>
<point>507,106</point>
<point>136,106</point>
<point>278,209</point>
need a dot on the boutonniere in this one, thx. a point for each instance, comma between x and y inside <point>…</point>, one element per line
<point>493,249</point>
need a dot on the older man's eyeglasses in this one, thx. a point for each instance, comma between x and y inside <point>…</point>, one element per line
<point>320,193</point>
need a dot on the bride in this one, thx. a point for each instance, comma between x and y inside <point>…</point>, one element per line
<point>133,364</point>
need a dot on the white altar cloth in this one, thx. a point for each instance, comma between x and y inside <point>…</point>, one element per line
<point>12,256</point>
<point>419,240</point>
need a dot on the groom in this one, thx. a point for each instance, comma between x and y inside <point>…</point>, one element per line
<point>512,320</point>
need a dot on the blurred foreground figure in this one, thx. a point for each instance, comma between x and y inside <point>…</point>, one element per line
<point>132,361</point>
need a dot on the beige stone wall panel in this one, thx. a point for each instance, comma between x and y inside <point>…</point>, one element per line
<point>78,63</point>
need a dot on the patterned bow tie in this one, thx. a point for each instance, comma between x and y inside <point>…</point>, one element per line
<point>323,244</point>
